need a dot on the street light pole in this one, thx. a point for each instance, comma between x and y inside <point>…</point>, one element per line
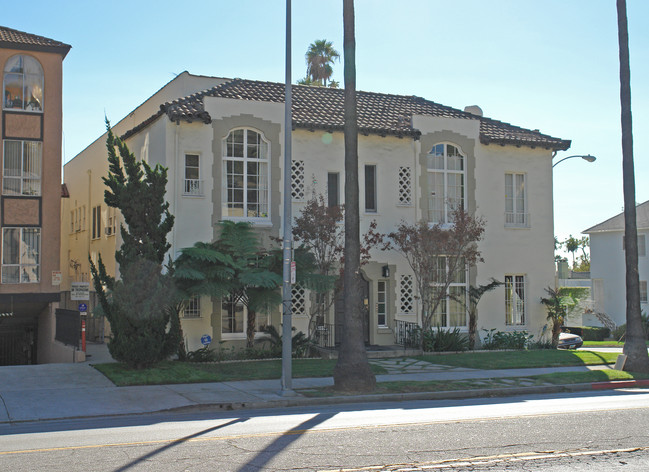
<point>586,157</point>
<point>287,319</point>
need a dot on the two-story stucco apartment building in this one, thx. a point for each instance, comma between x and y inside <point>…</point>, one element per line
<point>608,268</point>
<point>31,197</point>
<point>223,141</point>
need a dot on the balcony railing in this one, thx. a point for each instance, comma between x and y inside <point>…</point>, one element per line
<point>193,187</point>
<point>517,220</point>
<point>406,334</point>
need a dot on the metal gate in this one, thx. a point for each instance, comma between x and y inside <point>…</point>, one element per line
<point>68,327</point>
<point>18,345</point>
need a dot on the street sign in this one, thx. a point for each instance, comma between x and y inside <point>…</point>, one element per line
<point>57,276</point>
<point>293,272</point>
<point>80,291</point>
<point>206,339</point>
<point>83,307</point>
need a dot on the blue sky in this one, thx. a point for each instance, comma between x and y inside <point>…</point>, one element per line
<point>550,65</point>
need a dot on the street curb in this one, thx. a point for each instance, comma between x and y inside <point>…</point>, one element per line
<point>299,401</point>
<point>620,384</point>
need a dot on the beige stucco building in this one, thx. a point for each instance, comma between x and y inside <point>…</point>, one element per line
<point>223,145</point>
<point>31,198</point>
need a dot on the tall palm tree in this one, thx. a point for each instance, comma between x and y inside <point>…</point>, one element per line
<point>634,347</point>
<point>352,371</point>
<point>319,58</point>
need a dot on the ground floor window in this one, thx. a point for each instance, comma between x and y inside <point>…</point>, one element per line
<point>514,299</point>
<point>192,307</point>
<point>21,250</point>
<point>382,303</point>
<point>451,311</point>
<point>234,319</point>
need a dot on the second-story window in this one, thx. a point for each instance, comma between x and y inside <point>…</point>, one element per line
<point>21,169</point>
<point>23,84</point>
<point>96,222</point>
<point>333,189</point>
<point>446,167</point>
<point>515,201</point>
<point>246,175</point>
<point>193,184</point>
<point>370,189</point>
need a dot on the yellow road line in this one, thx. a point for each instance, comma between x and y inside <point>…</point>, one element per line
<point>296,432</point>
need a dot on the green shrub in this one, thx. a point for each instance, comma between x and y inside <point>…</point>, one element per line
<point>204,354</point>
<point>540,344</point>
<point>506,340</point>
<point>440,340</point>
<point>590,333</point>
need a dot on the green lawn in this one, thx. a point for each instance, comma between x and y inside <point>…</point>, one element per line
<point>172,372</point>
<point>563,378</point>
<point>522,359</point>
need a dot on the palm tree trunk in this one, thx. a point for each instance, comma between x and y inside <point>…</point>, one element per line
<point>634,347</point>
<point>352,371</point>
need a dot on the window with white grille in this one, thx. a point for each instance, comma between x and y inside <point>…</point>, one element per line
<point>515,201</point>
<point>192,308</point>
<point>298,298</point>
<point>406,294</point>
<point>446,171</point>
<point>514,300</point>
<point>193,182</point>
<point>297,180</point>
<point>21,172</point>
<point>405,186</point>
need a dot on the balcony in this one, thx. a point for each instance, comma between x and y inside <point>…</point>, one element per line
<point>517,220</point>
<point>193,187</point>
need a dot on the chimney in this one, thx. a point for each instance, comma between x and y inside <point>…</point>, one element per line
<point>474,109</point>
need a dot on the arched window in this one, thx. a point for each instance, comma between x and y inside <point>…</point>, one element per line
<point>23,84</point>
<point>446,168</point>
<point>246,175</point>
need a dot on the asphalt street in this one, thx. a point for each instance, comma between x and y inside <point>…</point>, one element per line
<point>533,432</point>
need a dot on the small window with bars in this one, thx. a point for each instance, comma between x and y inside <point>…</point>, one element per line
<point>192,308</point>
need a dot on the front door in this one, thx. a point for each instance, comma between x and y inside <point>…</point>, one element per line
<point>339,310</point>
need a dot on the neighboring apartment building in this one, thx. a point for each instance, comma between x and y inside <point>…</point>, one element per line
<point>607,264</point>
<point>417,159</point>
<point>31,197</point>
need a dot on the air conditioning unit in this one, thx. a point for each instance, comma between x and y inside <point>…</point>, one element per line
<point>108,230</point>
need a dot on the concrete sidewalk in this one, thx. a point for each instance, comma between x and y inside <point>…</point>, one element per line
<point>57,391</point>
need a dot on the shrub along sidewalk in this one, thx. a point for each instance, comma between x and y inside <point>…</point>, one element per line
<point>175,372</point>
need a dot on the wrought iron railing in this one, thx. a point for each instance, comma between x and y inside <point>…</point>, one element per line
<point>406,334</point>
<point>324,335</point>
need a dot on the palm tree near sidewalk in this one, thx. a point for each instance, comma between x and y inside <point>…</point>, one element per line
<point>634,347</point>
<point>352,371</point>
<point>319,59</point>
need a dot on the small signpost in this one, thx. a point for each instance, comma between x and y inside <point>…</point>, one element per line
<point>83,308</point>
<point>206,339</point>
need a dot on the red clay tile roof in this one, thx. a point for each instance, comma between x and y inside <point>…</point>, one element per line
<point>14,39</point>
<point>378,113</point>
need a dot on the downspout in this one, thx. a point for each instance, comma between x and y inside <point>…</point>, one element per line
<point>175,187</point>
<point>417,191</point>
<point>89,219</point>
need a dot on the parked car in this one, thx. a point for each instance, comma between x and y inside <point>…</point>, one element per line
<point>569,341</point>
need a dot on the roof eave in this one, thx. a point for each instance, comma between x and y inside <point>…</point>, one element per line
<point>62,50</point>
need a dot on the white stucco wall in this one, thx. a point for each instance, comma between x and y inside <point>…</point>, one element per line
<point>608,265</point>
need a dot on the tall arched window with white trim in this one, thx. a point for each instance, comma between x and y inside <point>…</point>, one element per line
<point>23,84</point>
<point>446,174</point>
<point>246,172</point>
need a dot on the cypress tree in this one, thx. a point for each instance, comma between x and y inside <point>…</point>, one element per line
<point>141,305</point>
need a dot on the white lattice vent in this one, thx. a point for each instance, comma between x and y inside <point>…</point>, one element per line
<point>406,294</point>
<point>298,300</point>
<point>405,186</point>
<point>297,180</point>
